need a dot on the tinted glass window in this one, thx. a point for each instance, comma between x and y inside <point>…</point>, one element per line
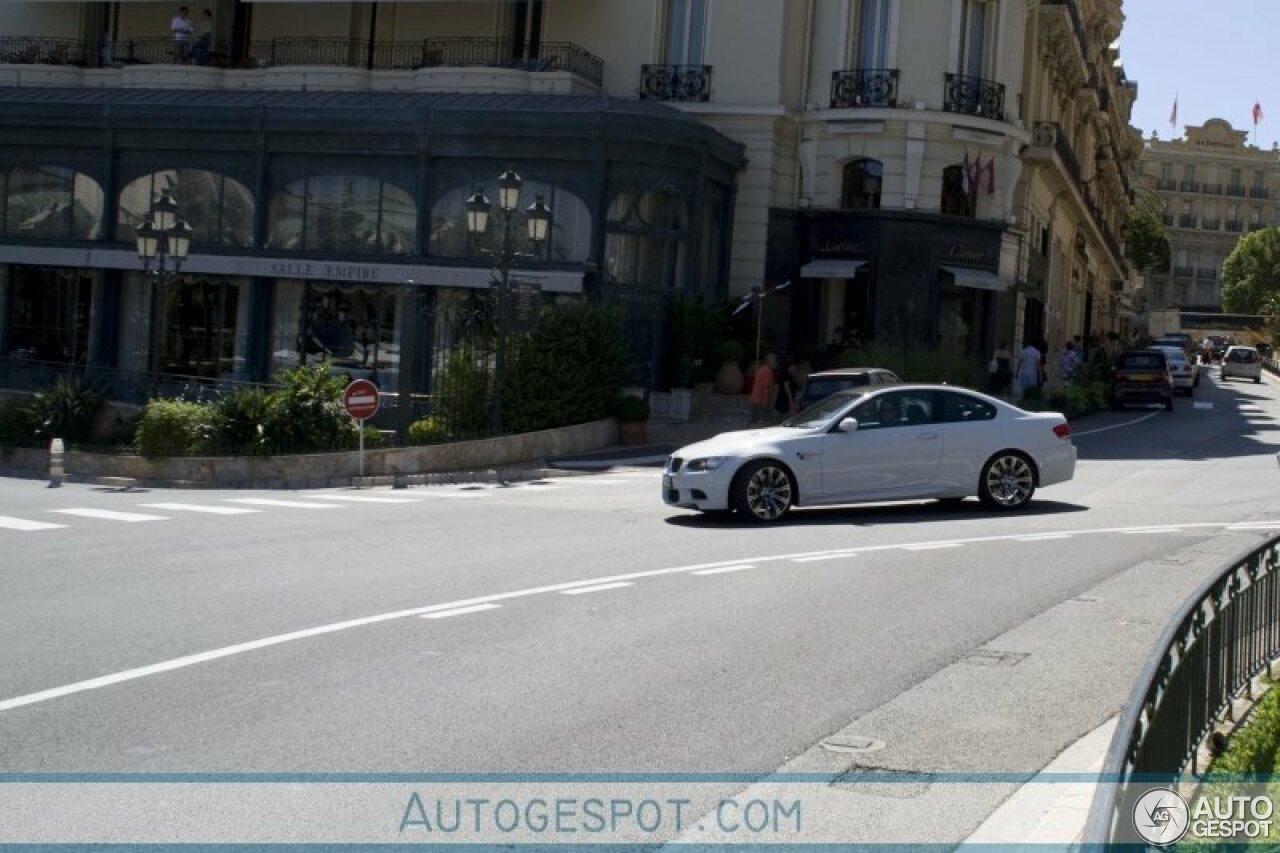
<point>1153,361</point>
<point>961,407</point>
<point>1242,356</point>
<point>891,410</point>
<point>819,387</point>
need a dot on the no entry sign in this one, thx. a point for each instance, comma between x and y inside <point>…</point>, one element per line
<point>361,399</point>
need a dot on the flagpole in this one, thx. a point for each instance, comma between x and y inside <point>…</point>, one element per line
<point>759,325</point>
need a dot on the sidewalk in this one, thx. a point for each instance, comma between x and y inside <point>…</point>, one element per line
<point>665,437</point>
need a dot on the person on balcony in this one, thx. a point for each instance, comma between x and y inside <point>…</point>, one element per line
<point>181,28</point>
<point>204,38</point>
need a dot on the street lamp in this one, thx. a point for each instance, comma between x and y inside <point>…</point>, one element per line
<point>163,240</point>
<point>538,219</point>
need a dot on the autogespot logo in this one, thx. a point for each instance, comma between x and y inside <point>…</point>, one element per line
<point>1161,816</point>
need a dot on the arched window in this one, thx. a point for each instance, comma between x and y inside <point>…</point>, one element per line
<point>50,203</point>
<point>569,237</point>
<point>343,213</point>
<point>955,201</point>
<point>647,239</point>
<point>219,209</point>
<point>860,187</point>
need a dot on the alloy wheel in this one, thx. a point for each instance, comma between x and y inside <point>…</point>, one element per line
<point>767,493</point>
<point>1008,481</point>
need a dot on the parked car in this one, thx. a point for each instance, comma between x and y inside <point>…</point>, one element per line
<point>1244,362</point>
<point>901,442</point>
<point>1141,376</point>
<point>1185,375</point>
<point>826,382</point>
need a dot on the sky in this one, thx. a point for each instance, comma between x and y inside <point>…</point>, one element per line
<point>1217,57</point>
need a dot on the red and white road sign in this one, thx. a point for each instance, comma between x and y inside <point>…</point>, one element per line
<point>361,399</point>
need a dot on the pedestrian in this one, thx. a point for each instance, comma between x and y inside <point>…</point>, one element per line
<point>204,38</point>
<point>1027,371</point>
<point>1070,363</point>
<point>1000,370</point>
<point>181,28</point>
<point>764,391</point>
<point>784,402</point>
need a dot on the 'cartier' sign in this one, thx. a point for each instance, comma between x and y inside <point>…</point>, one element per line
<point>966,254</point>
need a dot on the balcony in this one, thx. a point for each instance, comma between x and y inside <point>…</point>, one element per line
<point>973,96</point>
<point>1235,190</point>
<point>675,82</point>
<point>864,87</point>
<point>1211,224</point>
<point>1186,221</point>
<point>1184,272</point>
<point>1166,184</point>
<point>1049,135</point>
<point>1189,186</point>
<point>1207,273</point>
<point>1166,219</point>
<point>1211,189</point>
<point>1256,226</point>
<point>459,52</point>
<point>1259,192</point>
<point>1235,226</point>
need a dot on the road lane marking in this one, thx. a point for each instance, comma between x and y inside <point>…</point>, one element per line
<point>723,570</point>
<point>820,557</point>
<point>1042,537</point>
<point>214,510</point>
<point>112,515</point>
<point>932,546</point>
<point>10,523</point>
<point>1138,531</point>
<point>367,499</point>
<point>1257,525</point>
<point>461,611</point>
<point>584,590</point>
<point>1133,422</point>
<point>362,622</point>
<point>274,502</point>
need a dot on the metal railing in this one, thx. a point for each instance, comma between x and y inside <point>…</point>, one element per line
<point>27,50</point>
<point>1049,134</point>
<point>1211,224</point>
<point>1186,221</point>
<point>974,96</point>
<point>1189,186</point>
<point>675,82</point>
<point>1188,272</point>
<point>1223,636</point>
<point>864,87</point>
<point>1235,190</point>
<point>1235,225</point>
<point>1166,184</point>
<point>1259,192</point>
<point>138,51</point>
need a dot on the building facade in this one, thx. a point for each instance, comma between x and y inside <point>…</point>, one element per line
<point>1211,188</point>
<point>925,172</point>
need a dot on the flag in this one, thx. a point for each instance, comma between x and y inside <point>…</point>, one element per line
<point>1257,113</point>
<point>758,294</point>
<point>1173,116</point>
<point>966,175</point>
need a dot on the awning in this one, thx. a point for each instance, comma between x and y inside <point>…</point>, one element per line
<point>981,279</point>
<point>831,268</point>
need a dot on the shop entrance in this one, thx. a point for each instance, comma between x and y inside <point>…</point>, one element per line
<point>49,314</point>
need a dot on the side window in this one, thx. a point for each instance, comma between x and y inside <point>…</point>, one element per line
<point>961,408</point>
<point>893,410</point>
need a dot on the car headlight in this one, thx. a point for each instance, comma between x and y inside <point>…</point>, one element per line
<point>709,463</point>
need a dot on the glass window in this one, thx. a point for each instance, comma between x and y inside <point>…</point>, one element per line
<point>1188,173</point>
<point>343,213</point>
<point>955,200</point>
<point>219,210</point>
<point>569,238</point>
<point>975,50</point>
<point>50,203</point>
<point>873,34</point>
<point>49,314</point>
<point>961,407</point>
<point>860,189</point>
<point>647,239</point>
<point>899,409</point>
<point>1258,178</point>
<point>711,250</point>
<point>203,329</point>
<point>1166,171</point>
<point>1235,177</point>
<point>686,31</point>
<point>356,329</point>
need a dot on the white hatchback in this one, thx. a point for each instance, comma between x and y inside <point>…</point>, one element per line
<point>904,442</point>
<point>1244,362</point>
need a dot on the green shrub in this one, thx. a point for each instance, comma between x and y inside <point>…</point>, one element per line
<point>918,364</point>
<point>462,390</point>
<point>373,438</point>
<point>66,409</point>
<point>631,409</point>
<point>244,413</point>
<point>306,413</point>
<point>730,350</point>
<point>1254,748</point>
<point>17,425</point>
<point>428,431</point>
<point>694,330</point>
<point>177,428</point>
<point>567,372</point>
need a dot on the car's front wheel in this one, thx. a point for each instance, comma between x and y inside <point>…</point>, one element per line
<point>1008,481</point>
<point>763,491</point>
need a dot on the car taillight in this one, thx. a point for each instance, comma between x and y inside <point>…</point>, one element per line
<point>1062,430</point>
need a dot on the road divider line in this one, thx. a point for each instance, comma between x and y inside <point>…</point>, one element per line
<point>213,510</point>
<point>723,570</point>
<point>280,503</point>
<point>932,546</point>
<point>461,611</point>
<point>1042,537</point>
<point>111,515</point>
<point>820,557</point>
<point>366,499</point>
<point>366,621</point>
<point>10,523</point>
<point>1133,422</point>
<point>584,590</point>
<point>1141,530</point>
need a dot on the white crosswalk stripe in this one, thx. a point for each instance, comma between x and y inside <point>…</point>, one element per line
<point>112,515</point>
<point>280,503</point>
<point>212,510</point>
<point>366,499</point>
<point>10,523</point>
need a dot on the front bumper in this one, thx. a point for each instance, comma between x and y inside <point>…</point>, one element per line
<point>700,490</point>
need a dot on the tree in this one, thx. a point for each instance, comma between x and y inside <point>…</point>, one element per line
<point>1148,246</point>
<point>1251,274</point>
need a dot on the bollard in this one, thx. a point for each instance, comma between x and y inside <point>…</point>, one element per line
<point>56,457</point>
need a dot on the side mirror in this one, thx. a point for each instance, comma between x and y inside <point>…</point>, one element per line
<point>848,425</point>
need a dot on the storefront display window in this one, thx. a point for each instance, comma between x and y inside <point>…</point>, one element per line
<point>49,315</point>
<point>219,210</point>
<point>343,213</point>
<point>569,238</point>
<point>50,203</point>
<point>203,327</point>
<point>355,329</point>
<point>647,240</point>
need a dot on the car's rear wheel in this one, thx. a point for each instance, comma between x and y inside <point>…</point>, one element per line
<point>1008,481</point>
<point>763,491</point>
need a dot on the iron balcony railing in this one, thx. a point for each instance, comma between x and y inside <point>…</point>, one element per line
<point>675,82</point>
<point>1222,637</point>
<point>1166,184</point>
<point>1211,224</point>
<point>864,87</point>
<point>1186,221</point>
<point>152,50</point>
<point>1049,134</point>
<point>1256,226</point>
<point>974,96</point>
<point>1211,189</point>
<point>25,50</point>
<point>1189,186</point>
<point>1259,192</point>
<point>1187,272</point>
<point>1166,219</point>
<point>1210,273</point>
<point>1235,190</point>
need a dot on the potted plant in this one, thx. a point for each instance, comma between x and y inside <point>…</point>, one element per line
<point>730,379</point>
<point>633,420</point>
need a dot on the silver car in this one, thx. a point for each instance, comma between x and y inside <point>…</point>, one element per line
<point>1242,362</point>
<point>1186,376</point>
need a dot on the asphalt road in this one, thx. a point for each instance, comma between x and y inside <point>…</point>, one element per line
<point>578,626</point>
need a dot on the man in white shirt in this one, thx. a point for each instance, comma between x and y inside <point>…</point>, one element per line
<point>181,28</point>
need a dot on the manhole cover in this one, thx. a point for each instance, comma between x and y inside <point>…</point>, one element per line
<point>853,744</point>
<point>991,657</point>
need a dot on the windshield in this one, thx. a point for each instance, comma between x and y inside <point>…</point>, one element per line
<point>824,410</point>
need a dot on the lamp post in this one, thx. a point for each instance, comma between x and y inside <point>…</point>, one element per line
<point>163,240</point>
<point>538,219</point>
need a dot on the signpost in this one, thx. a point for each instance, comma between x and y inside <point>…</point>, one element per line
<point>361,401</point>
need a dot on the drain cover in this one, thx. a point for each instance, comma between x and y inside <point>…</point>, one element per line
<point>852,744</point>
<point>991,657</point>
